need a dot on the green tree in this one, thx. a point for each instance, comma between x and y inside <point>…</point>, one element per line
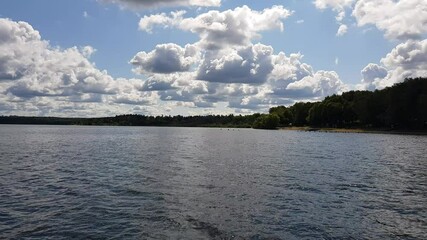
<point>268,121</point>
<point>284,114</point>
<point>315,117</point>
<point>300,113</point>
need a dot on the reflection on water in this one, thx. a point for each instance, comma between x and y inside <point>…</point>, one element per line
<point>135,182</point>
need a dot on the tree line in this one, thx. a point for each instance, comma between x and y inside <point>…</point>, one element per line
<point>400,107</point>
<point>239,121</point>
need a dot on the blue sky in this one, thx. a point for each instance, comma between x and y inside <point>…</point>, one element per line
<point>363,56</point>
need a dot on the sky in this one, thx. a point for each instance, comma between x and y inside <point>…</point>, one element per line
<point>94,58</point>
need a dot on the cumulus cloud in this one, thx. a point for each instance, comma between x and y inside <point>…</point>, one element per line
<point>250,64</point>
<point>398,19</point>
<point>41,70</point>
<point>287,69</point>
<point>256,98</point>
<point>223,68</point>
<point>292,79</point>
<point>155,84</point>
<point>373,72</point>
<point>334,4</point>
<point>408,59</point>
<point>249,102</point>
<point>191,92</point>
<point>140,4</point>
<point>129,92</point>
<point>231,68</point>
<point>147,23</point>
<point>180,87</point>
<point>289,80</point>
<point>338,6</point>
<point>14,62</point>
<point>165,58</point>
<point>409,55</point>
<point>370,74</point>
<point>222,29</point>
<point>342,30</point>
<point>87,51</point>
<point>32,69</point>
<point>225,41</point>
<point>321,84</point>
<point>235,27</point>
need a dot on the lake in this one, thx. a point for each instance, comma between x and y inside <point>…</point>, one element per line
<point>61,182</point>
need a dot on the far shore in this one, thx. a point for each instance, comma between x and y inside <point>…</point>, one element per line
<point>354,130</point>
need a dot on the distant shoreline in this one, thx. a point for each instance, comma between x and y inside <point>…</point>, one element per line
<point>354,130</point>
<point>302,128</point>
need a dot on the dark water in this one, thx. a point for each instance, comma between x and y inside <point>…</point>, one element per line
<point>189,183</point>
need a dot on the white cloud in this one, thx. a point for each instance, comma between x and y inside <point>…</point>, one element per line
<point>45,71</point>
<point>409,55</point>
<point>165,58</point>
<point>223,68</point>
<point>87,51</point>
<point>250,64</point>
<point>373,72</point>
<point>140,4</point>
<point>287,70</point>
<point>334,4</point>
<point>250,102</point>
<point>191,92</point>
<point>129,93</point>
<point>342,30</point>
<point>288,81</point>
<point>340,16</point>
<point>235,27</point>
<point>338,6</point>
<point>406,60</point>
<point>35,75</point>
<point>147,23</point>
<point>321,84</point>
<point>222,29</point>
<point>233,69</point>
<point>404,19</point>
<point>370,74</point>
<point>155,84</point>
<point>398,19</point>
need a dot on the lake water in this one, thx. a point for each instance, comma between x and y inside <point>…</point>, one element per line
<point>62,182</point>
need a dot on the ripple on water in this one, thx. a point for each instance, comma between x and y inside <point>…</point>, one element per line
<point>179,183</point>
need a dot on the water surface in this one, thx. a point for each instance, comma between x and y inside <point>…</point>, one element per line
<point>62,182</point>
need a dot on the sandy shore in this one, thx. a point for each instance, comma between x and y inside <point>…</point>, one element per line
<point>352,130</point>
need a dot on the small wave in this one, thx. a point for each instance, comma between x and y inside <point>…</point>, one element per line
<point>209,229</point>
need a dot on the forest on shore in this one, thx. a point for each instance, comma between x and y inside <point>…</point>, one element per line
<point>400,107</point>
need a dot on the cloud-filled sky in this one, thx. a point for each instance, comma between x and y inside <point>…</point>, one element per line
<point>108,57</point>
